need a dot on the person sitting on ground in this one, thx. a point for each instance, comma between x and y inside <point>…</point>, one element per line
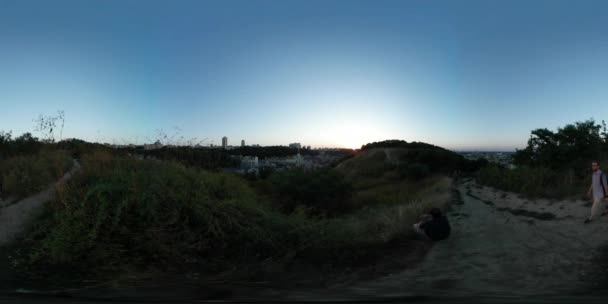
<point>433,226</point>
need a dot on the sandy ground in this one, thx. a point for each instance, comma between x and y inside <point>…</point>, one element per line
<point>14,216</point>
<point>500,245</point>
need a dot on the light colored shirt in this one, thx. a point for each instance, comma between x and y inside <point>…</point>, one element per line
<point>598,192</point>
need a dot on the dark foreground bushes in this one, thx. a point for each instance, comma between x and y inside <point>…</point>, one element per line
<point>119,212</point>
<point>24,175</point>
<point>414,171</point>
<point>322,192</point>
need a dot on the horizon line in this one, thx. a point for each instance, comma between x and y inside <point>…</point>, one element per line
<point>459,149</point>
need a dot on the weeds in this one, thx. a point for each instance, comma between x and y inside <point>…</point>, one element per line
<point>532,182</point>
<point>120,213</point>
<point>24,175</point>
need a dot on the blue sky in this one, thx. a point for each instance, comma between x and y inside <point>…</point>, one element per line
<point>459,74</point>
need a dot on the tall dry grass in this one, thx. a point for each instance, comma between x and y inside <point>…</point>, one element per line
<point>24,175</point>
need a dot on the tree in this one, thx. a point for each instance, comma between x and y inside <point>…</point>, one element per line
<point>26,143</point>
<point>571,146</point>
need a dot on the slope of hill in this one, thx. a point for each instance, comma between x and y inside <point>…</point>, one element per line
<point>400,159</point>
<point>395,172</point>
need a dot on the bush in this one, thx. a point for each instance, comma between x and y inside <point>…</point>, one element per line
<point>24,144</point>
<point>323,192</point>
<point>415,171</point>
<point>572,146</point>
<point>24,175</point>
<point>118,214</point>
<point>121,212</point>
<point>534,182</point>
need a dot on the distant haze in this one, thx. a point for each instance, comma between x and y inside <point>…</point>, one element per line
<point>464,75</point>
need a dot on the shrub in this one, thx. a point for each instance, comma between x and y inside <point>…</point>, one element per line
<point>119,212</point>
<point>323,192</point>
<point>534,182</point>
<point>24,175</point>
<point>415,171</point>
<point>25,144</point>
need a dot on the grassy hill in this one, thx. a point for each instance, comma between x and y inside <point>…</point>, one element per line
<point>400,159</point>
<point>395,172</point>
<point>121,214</point>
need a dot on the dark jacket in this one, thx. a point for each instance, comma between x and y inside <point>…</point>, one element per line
<point>437,229</point>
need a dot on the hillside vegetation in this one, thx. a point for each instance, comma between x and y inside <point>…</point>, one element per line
<point>395,173</point>
<point>120,214</point>
<point>553,164</point>
<point>28,166</point>
<point>400,159</point>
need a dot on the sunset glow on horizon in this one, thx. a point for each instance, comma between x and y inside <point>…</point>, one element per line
<point>462,76</point>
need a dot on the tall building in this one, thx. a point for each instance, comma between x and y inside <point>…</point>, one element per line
<point>295,145</point>
<point>242,142</point>
<point>224,142</point>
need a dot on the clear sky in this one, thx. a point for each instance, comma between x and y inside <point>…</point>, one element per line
<point>458,74</point>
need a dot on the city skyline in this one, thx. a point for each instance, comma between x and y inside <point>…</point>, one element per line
<point>158,143</point>
<point>466,75</point>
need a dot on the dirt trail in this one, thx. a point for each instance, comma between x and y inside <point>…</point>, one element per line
<point>498,247</point>
<point>14,216</point>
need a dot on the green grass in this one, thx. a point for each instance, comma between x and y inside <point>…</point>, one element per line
<point>534,182</point>
<point>24,175</point>
<point>119,213</point>
<point>391,192</point>
<point>322,192</point>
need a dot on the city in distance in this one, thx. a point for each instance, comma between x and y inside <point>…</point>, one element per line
<point>345,150</point>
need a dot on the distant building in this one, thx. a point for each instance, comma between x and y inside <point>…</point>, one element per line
<point>242,142</point>
<point>224,142</point>
<point>295,145</point>
<point>299,160</point>
<point>249,162</point>
<point>154,146</point>
<point>296,160</point>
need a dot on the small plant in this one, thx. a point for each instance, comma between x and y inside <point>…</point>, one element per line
<point>47,126</point>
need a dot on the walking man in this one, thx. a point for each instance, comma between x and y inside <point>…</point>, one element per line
<point>598,188</point>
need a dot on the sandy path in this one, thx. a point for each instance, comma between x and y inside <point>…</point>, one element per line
<point>495,249</point>
<point>14,216</point>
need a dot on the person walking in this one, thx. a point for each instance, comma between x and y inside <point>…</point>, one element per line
<point>597,191</point>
